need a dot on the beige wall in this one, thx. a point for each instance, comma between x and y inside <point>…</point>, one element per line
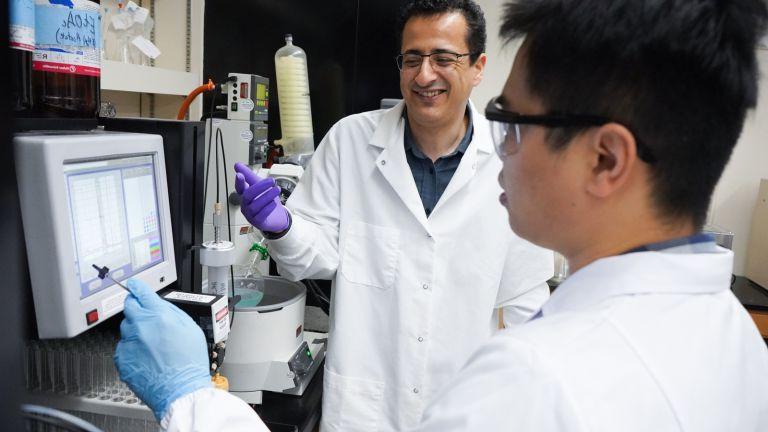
<point>735,195</point>
<point>499,58</point>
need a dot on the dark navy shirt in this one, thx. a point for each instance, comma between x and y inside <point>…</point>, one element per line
<point>432,178</point>
<point>697,243</point>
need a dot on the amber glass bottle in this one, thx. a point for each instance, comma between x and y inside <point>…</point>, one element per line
<point>22,42</point>
<point>67,60</point>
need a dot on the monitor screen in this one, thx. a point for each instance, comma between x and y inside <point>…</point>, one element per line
<point>114,218</point>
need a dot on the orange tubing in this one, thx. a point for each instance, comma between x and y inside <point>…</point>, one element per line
<point>185,106</point>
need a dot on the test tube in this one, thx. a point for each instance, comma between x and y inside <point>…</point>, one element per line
<point>87,387</point>
<point>130,397</point>
<point>99,420</point>
<point>112,424</point>
<point>31,360</point>
<point>73,370</point>
<point>59,370</point>
<point>134,425</point>
<point>87,416</point>
<point>113,382</point>
<point>99,376</point>
<point>46,369</point>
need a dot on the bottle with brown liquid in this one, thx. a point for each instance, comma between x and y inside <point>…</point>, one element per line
<point>67,59</point>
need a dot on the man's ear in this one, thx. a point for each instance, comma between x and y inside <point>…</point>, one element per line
<point>613,157</point>
<point>479,68</point>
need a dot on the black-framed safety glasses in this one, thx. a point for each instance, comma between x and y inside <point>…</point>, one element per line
<point>507,127</point>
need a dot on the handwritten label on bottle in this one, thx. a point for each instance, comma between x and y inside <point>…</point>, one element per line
<point>67,27</point>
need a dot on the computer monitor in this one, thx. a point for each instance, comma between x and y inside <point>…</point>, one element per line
<point>92,198</point>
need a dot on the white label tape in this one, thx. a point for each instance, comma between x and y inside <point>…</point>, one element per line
<point>199,298</point>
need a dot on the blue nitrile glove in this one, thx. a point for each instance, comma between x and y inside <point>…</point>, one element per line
<point>162,354</point>
<point>260,200</point>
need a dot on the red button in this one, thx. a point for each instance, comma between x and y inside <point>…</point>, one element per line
<point>92,316</point>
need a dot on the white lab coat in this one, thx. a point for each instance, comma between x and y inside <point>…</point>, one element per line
<point>412,296</point>
<point>647,341</point>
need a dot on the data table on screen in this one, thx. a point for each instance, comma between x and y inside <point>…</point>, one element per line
<point>114,216</point>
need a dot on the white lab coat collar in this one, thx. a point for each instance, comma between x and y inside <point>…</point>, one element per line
<point>393,165</point>
<point>640,273</point>
<point>388,136</point>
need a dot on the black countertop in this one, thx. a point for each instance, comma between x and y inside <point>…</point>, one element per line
<point>287,413</point>
<point>750,294</point>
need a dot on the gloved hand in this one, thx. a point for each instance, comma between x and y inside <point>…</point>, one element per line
<point>162,354</point>
<point>260,200</point>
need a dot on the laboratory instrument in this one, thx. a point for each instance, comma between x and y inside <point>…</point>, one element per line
<point>78,375</point>
<point>218,256</point>
<point>236,140</point>
<point>286,176</point>
<point>241,137</point>
<point>91,198</point>
<point>268,349</point>
<point>210,312</point>
<point>244,141</point>
<point>295,106</point>
<point>103,273</point>
<point>247,97</point>
<point>183,146</point>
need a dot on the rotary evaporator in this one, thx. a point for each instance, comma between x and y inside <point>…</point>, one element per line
<point>268,348</point>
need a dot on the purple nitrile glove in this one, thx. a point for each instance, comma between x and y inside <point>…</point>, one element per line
<point>260,200</point>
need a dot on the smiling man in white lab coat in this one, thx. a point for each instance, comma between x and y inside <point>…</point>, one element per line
<point>398,208</point>
<point>614,126</point>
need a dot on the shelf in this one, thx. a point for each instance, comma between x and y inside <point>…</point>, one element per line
<point>145,79</point>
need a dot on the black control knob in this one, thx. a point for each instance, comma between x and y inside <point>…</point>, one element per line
<point>234,199</point>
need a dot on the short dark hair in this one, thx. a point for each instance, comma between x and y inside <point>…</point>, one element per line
<point>681,75</point>
<point>476,35</point>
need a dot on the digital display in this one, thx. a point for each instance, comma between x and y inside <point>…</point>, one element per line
<point>114,217</point>
<point>261,91</point>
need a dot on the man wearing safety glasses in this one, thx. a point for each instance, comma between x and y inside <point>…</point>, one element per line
<point>614,126</point>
